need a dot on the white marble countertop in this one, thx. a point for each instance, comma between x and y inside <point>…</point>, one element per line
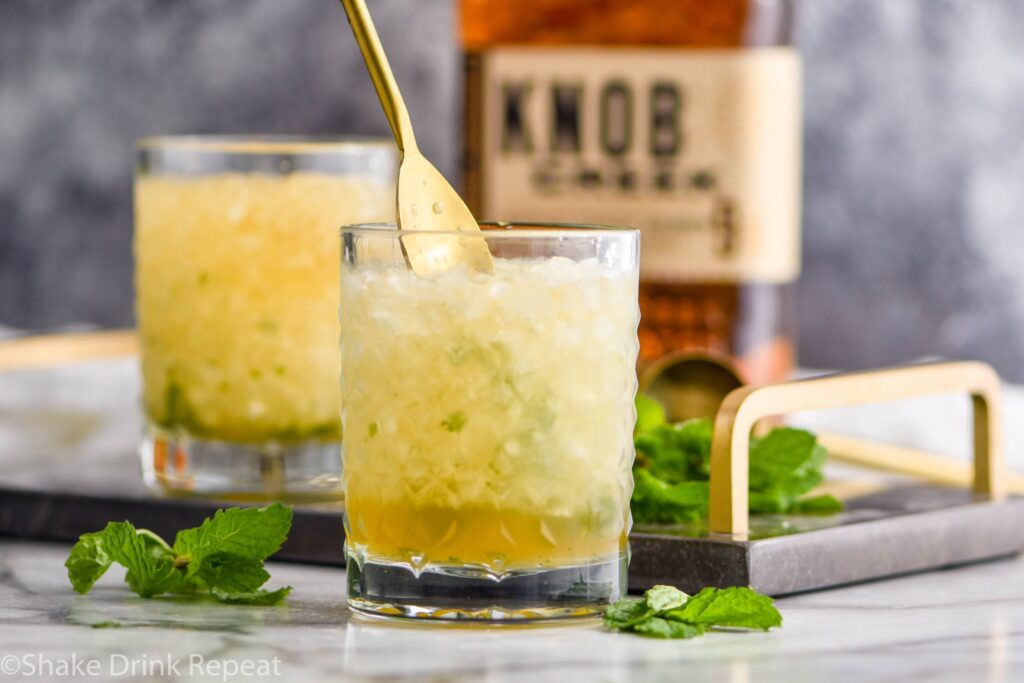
<point>964,624</point>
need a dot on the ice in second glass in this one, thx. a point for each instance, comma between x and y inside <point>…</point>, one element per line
<point>488,424</point>
<point>236,249</point>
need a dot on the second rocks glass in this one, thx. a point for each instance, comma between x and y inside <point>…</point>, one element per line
<point>236,246</point>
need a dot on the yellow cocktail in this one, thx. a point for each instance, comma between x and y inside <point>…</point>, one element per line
<point>488,417</point>
<point>236,276</point>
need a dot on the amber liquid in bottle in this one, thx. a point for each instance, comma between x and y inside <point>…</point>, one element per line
<point>613,112</point>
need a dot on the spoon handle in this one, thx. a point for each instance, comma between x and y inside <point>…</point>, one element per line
<point>380,74</point>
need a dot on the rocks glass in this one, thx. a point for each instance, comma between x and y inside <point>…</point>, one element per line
<point>236,246</point>
<point>488,423</point>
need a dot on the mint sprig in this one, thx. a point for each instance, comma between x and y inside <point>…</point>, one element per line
<point>667,612</point>
<point>222,557</point>
<point>729,608</point>
<point>673,466</point>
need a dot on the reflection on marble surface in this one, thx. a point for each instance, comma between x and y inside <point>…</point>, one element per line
<point>964,624</point>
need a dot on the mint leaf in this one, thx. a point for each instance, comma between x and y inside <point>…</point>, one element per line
<point>88,562</point>
<point>784,465</point>
<point>783,451</point>
<point>664,598</point>
<point>649,414</point>
<point>223,556</point>
<point>736,607</point>
<point>157,545</point>
<point>624,613</point>
<point>656,501</point>
<point>255,533</point>
<point>171,582</point>
<point>150,569</point>
<point>232,573</point>
<point>260,598</point>
<point>667,612</point>
<point>673,466</point>
<point>658,627</point>
<point>146,556</point>
<point>677,452</point>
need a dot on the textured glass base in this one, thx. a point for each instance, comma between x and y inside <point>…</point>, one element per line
<point>460,593</point>
<point>180,464</point>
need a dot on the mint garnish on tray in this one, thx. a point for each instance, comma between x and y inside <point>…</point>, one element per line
<point>222,557</point>
<point>673,466</point>
<point>667,612</point>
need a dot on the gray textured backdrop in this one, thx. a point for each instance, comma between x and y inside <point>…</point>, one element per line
<point>914,169</point>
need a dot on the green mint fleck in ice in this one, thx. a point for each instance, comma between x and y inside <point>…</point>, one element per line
<point>673,464</point>
<point>268,326</point>
<point>455,421</point>
<point>222,557</point>
<point>177,409</point>
<point>371,430</point>
<point>667,612</point>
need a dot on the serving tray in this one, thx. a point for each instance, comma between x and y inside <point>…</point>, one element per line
<point>894,531</point>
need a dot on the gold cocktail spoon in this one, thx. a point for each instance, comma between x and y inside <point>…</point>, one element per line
<point>427,203</point>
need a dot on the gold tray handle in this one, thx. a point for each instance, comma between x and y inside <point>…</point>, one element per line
<point>741,409</point>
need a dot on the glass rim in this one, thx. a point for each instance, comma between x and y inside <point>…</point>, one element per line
<point>263,143</point>
<point>499,229</point>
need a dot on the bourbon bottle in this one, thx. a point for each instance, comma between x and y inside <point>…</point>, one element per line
<point>678,117</point>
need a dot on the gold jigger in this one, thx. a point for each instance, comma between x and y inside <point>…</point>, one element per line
<point>690,384</point>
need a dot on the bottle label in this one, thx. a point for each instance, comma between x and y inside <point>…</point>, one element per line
<point>699,149</point>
